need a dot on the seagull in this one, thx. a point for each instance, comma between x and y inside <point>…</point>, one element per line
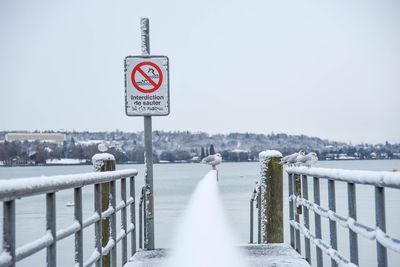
<point>307,160</point>
<point>102,147</point>
<point>284,159</point>
<point>290,159</point>
<point>213,160</point>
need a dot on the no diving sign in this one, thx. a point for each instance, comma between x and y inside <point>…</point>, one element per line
<point>146,86</point>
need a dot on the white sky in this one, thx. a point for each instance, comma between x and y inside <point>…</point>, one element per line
<point>322,68</point>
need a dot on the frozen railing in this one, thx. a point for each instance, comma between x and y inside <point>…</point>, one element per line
<point>255,196</point>
<point>298,199</point>
<point>10,190</point>
<point>143,234</point>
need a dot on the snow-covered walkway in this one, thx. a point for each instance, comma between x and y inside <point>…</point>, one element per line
<point>278,255</point>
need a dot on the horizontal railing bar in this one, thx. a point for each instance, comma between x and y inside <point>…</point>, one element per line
<point>130,228</point>
<point>387,241</point>
<point>110,211</point>
<point>343,221</point>
<point>120,205</point>
<point>22,187</point>
<point>129,201</point>
<point>93,258</point>
<point>107,213</point>
<point>91,220</point>
<point>108,247</point>
<point>346,222</point>
<point>121,235</point>
<point>34,246</point>
<point>375,178</point>
<point>326,248</point>
<point>70,230</point>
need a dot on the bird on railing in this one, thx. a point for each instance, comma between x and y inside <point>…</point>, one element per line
<point>307,160</point>
<point>213,160</point>
<point>102,147</point>
<point>291,159</point>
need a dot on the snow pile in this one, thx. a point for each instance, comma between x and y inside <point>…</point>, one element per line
<point>98,160</point>
<point>269,154</point>
<point>203,238</point>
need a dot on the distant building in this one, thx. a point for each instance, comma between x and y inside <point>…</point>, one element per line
<point>57,138</point>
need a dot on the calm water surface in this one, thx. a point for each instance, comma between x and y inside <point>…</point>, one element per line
<point>174,184</point>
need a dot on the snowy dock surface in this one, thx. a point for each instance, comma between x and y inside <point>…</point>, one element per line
<point>278,255</point>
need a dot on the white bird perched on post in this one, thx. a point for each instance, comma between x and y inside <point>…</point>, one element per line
<point>290,159</point>
<point>102,147</point>
<point>307,160</point>
<point>212,160</point>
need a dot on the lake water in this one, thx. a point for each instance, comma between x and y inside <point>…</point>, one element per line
<point>174,184</point>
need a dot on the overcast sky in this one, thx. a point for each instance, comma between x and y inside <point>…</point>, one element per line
<point>322,68</point>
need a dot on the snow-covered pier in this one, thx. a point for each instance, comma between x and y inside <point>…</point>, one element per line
<point>254,255</point>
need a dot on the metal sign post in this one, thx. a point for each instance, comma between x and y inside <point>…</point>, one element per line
<point>148,144</point>
<point>147,95</point>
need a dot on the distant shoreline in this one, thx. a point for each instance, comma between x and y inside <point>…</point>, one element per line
<point>164,163</point>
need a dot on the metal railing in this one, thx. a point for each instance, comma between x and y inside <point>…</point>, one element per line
<point>299,199</point>
<point>143,238</point>
<point>11,190</point>
<point>255,196</point>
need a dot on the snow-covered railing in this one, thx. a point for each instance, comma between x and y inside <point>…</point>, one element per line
<point>143,233</point>
<point>255,196</point>
<point>10,190</point>
<point>298,199</point>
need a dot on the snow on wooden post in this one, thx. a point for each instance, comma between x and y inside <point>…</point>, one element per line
<point>104,162</point>
<point>272,196</point>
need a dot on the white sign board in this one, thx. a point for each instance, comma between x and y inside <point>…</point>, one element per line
<point>146,86</point>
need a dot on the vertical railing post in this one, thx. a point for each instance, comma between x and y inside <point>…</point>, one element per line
<point>297,192</point>
<point>124,240</point>
<point>352,206</point>
<point>78,234</point>
<point>332,224</point>
<point>102,163</point>
<point>145,236</point>
<point>133,215</point>
<point>51,227</point>
<point>259,215</point>
<point>141,219</point>
<point>291,208</point>
<point>9,229</point>
<point>98,224</point>
<point>318,232</point>
<point>272,196</point>
<point>306,218</point>
<point>380,216</point>
<point>253,196</point>
<point>113,222</point>
<point>251,221</point>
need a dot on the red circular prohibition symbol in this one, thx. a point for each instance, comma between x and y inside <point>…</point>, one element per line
<point>155,85</point>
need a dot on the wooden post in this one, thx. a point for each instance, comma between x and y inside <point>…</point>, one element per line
<point>272,196</point>
<point>103,163</point>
